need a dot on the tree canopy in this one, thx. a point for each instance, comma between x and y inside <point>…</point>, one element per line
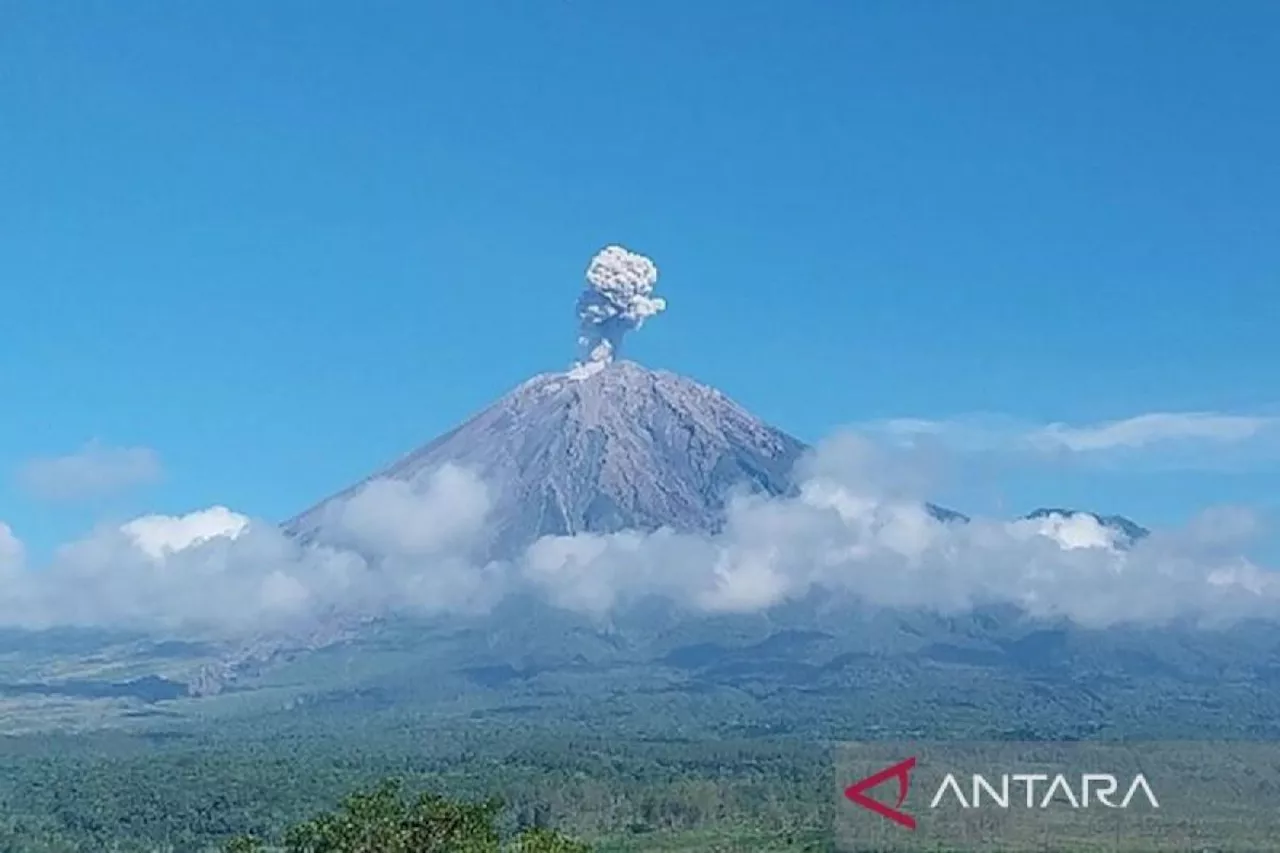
<point>385,820</point>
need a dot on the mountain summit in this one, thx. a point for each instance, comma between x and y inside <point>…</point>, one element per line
<point>619,447</point>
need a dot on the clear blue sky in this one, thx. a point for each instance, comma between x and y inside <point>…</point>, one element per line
<point>281,243</point>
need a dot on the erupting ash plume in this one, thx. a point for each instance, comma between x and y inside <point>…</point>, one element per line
<point>617,299</point>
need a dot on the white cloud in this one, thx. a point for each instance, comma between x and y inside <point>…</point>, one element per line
<point>393,516</point>
<point>93,471</point>
<point>251,580</point>
<point>11,550</point>
<point>845,535</point>
<point>855,528</point>
<point>160,535</point>
<point>1070,530</point>
<point>393,547</point>
<point>1153,428</point>
<point>1180,440</point>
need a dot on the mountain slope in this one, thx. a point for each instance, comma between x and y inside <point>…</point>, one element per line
<point>621,448</point>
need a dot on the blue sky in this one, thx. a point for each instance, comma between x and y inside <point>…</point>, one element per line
<point>272,246</point>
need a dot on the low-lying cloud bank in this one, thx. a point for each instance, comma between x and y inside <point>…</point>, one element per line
<point>853,528</point>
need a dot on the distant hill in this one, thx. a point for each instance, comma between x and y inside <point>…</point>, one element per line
<point>1129,530</point>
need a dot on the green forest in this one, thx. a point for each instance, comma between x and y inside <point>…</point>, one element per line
<point>494,789</point>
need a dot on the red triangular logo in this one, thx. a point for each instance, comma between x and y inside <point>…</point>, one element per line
<point>900,771</point>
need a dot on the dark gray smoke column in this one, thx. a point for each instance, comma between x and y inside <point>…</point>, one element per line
<point>618,298</point>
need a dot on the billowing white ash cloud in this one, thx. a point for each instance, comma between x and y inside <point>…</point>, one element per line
<point>618,298</point>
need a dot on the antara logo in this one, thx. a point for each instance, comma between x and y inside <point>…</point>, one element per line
<point>900,771</point>
<point>1093,788</point>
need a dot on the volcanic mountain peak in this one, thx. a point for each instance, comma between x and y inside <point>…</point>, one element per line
<point>615,448</point>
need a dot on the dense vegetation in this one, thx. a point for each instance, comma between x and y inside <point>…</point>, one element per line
<point>694,743</point>
<point>383,820</point>
<point>510,788</point>
<point>64,794</point>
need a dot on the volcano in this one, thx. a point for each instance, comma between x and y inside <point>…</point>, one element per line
<point>617,447</point>
<point>621,447</point>
<point>607,445</point>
